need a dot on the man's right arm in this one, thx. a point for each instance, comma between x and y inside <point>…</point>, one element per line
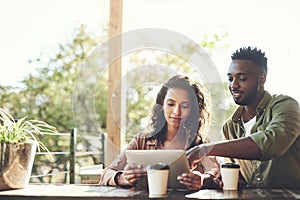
<point>243,148</point>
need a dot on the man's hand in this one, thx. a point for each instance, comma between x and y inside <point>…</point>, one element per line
<point>196,153</point>
<point>192,155</point>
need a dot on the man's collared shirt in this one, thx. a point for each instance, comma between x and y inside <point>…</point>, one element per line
<point>277,134</point>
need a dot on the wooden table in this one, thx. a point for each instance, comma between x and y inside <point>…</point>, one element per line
<point>92,192</point>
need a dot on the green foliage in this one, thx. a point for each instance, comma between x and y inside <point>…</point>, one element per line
<point>47,93</point>
<point>22,130</point>
<point>214,41</point>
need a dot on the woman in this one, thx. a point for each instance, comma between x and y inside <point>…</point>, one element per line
<point>176,120</point>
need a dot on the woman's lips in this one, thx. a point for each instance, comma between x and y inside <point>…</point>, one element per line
<point>177,119</point>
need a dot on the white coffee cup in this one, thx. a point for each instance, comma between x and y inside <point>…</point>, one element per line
<point>230,175</point>
<point>157,175</point>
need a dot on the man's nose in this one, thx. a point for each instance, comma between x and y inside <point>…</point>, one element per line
<point>234,84</point>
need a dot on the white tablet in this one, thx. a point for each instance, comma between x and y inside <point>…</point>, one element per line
<point>176,159</point>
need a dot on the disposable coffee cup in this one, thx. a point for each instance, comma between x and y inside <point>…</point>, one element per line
<point>230,176</point>
<point>157,175</point>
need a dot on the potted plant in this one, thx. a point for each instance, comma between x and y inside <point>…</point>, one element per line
<point>18,144</point>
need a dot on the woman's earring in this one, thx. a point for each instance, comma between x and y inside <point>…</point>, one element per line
<point>184,126</point>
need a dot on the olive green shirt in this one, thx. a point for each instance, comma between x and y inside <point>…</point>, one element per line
<point>277,134</point>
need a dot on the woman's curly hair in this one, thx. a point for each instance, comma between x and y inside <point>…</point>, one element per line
<point>195,120</point>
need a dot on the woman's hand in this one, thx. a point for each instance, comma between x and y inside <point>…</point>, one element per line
<point>196,181</point>
<point>192,181</point>
<point>131,175</point>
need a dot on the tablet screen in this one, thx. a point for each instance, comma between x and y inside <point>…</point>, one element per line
<point>176,159</point>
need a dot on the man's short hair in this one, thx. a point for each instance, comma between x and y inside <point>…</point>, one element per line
<point>251,54</point>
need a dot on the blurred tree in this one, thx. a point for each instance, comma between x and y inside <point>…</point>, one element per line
<point>47,93</point>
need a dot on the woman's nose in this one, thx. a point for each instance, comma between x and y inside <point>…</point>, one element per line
<point>177,110</point>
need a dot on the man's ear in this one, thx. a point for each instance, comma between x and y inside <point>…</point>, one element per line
<point>262,79</point>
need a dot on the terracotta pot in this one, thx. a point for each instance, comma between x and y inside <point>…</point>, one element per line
<point>16,160</point>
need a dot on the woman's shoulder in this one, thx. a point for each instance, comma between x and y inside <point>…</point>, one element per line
<point>142,141</point>
<point>143,134</point>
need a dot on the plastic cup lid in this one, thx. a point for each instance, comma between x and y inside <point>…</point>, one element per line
<point>230,165</point>
<point>158,166</point>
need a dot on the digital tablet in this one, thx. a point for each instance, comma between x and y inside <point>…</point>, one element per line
<point>176,159</point>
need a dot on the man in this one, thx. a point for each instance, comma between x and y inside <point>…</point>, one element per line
<point>262,135</point>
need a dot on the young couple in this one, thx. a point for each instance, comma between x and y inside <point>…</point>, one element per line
<point>262,135</point>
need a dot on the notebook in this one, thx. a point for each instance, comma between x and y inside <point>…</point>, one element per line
<point>176,159</point>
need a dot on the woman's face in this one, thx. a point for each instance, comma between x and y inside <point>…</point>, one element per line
<point>177,107</point>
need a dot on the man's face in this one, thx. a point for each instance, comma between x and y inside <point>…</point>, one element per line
<point>246,80</point>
